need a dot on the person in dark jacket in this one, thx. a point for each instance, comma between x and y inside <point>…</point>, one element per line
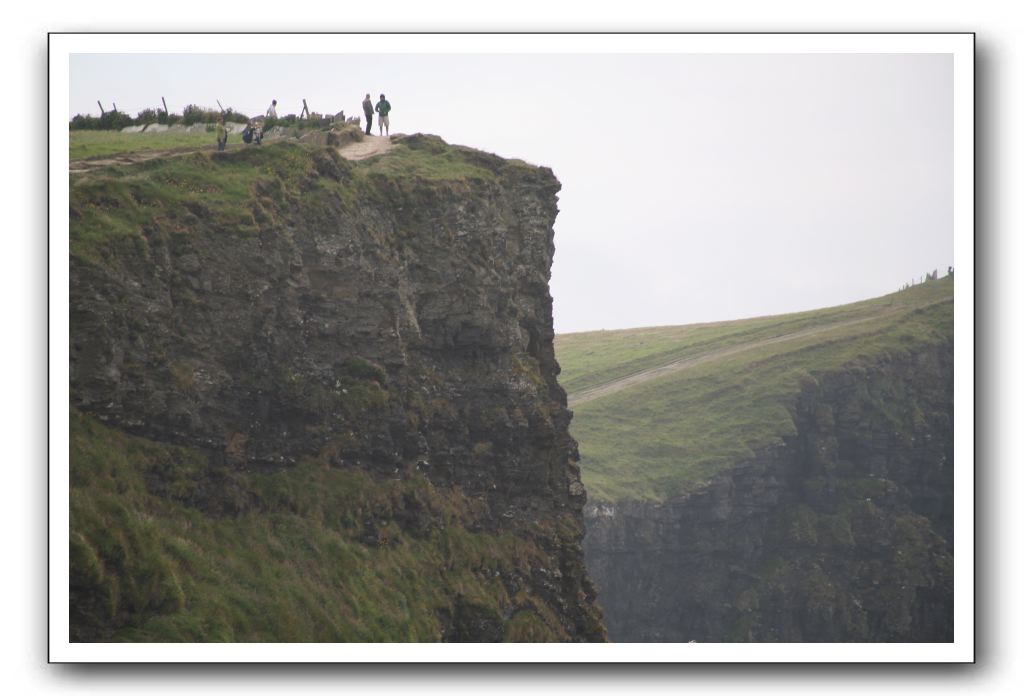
<point>367,108</point>
<point>384,108</point>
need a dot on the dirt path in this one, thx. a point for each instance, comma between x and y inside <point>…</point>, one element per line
<point>617,385</point>
<point>81,166</point>
<point>370,146</point>
<point>88,164</point>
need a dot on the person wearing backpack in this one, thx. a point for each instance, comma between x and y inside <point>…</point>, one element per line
<point>384,108</point>
<point>367,108</point>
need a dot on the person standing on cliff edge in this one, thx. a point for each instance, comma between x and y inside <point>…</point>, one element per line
<point>272,111</point>
<point>367,108</point>
<point>384,108</point>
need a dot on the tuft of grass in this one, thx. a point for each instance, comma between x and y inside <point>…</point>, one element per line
<point>664,438</point>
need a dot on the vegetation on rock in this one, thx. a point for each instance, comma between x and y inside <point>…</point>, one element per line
<point>661,439</point>
<point>307,405</point>
<point>796,485</point>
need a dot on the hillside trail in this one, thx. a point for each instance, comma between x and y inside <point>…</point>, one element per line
<point>616,385</point>
<point>86,165</point>
<point>82,166</point>
<point>369,146</point>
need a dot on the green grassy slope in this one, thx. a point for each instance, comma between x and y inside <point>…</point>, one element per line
<point>86,143</point>
<point>277,556</point>
<point>667,436</point>
<point>119,202</point>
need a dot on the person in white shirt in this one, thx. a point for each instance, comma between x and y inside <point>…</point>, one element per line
<point>272,111</point>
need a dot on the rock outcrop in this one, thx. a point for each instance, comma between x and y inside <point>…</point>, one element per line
<point>842,533</point>
<point>391,317</point>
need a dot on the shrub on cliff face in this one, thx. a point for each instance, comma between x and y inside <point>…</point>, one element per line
<point>360,368</point>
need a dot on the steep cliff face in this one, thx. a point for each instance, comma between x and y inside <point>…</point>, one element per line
<point>281,311</point>
<point>841,533</point>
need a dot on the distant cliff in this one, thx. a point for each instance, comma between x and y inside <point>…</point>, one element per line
<point>316,400</point>
<point>840,532</point>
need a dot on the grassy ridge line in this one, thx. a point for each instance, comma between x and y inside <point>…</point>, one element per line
<point>592,358</point>
<point>666,437</point>
<point>627,381</point>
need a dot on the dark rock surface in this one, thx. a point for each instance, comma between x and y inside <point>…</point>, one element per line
<point>405,327</point>
<point>842,533</point>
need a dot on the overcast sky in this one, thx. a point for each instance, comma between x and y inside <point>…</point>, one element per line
<point>695,187</point>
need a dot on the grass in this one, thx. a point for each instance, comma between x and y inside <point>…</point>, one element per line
<point>447,164</point>
<point>248,189</point>
<point>290,563</point>
<point>591,358</point>
<point>427,157</point>
<point>663,438</point>
<point>97,143</point>
<point>190,193</point>
<point>106,143</point>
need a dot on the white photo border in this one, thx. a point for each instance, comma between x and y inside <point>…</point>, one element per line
<point>960,45</point>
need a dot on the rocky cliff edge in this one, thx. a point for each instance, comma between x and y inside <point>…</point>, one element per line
<point>317,400</point>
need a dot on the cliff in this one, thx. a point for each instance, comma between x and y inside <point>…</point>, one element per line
<point>317,400</point>
<point>837,529</point>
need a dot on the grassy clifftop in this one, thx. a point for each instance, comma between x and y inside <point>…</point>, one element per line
<point>667,436</point>
<point>85,143</point>
<point>229,192</point>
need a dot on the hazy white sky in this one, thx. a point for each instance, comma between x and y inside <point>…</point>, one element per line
<point>695,187</point>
